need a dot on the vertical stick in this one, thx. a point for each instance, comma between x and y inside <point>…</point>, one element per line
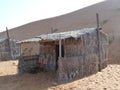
<point>8,42</point>
<point>20,49</point>
<point>97,18</point>
<point>98,38</point>
<point>60,48</point>
<point>59,61</point>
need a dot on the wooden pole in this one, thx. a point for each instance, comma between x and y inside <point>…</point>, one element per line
<point>8,42</point>
<point>97,18</point>
<point>60,46</point>
<point>98,38</point>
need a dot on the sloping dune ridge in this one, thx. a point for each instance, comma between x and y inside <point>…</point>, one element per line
<point>109,11</point>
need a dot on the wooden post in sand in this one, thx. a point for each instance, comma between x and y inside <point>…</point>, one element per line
<point>9,43</point>
<point>98,39</point>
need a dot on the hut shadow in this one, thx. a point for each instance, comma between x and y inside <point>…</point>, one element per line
<point>26,81</point>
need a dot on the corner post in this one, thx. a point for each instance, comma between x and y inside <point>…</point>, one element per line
<point>98,38</point>
<point>9,43</point>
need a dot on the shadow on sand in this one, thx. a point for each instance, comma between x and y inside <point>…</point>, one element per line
<point>26,81</point>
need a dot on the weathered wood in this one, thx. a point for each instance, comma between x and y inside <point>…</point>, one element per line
<point>81,56</point>
<point>103,50</point>
<point>8,38</point>
<point>88,50</point>
<point>60,48</point>
<point>48,52</point>
<point>98,38</point>
<point>4,50</point>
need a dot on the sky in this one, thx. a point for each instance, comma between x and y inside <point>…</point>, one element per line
<point>14,13</point>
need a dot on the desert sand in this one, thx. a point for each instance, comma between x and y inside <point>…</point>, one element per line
<point>107,79</point>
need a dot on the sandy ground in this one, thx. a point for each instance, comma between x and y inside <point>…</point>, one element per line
<point>108,79</point>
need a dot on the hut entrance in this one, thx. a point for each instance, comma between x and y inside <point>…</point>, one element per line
<point>57,54</point>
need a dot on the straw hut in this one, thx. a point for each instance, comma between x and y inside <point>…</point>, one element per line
<point>29,54</point>
<point>8,49</point>
<point>71,54</point>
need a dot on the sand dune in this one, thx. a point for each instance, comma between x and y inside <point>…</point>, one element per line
<point>109,12</point>
<point>107,79</point>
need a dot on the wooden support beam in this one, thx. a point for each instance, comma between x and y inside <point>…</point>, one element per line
<point>60,46</point>
<point>97,18</point>
<point>9,43</point>
<point>98,39</point>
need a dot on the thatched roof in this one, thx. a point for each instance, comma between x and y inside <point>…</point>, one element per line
<point>2,39</point>
<point>30,40</point>
<point>62,35</point>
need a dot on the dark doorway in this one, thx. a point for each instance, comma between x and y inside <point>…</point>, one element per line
<point>57,54</point>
